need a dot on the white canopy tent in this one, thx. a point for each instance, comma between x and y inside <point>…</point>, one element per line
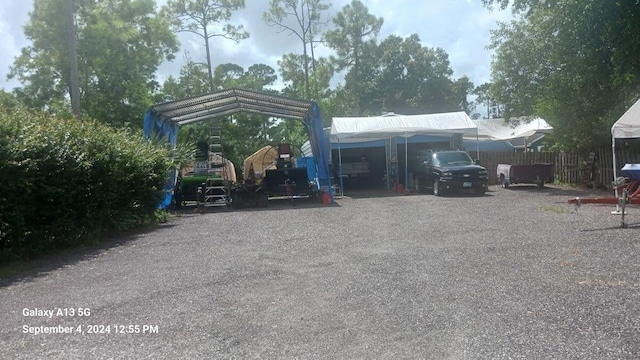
<point>382,127</point>
<point>627,127</point>
<point>499,129</point>
<point>354,129</point>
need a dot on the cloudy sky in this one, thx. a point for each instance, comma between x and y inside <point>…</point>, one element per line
<point>460,27</point>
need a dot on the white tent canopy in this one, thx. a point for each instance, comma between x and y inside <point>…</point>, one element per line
<point>499,129</point>
<point>628,126</point>
<point>383,127</point>
<point>353,129</point>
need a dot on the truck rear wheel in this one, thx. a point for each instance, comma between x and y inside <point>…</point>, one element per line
<point>262,199</point>
<point>437,191</point>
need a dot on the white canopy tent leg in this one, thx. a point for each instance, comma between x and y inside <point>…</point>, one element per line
<point>387,150</point>
<point>615,172</point>
<point>477,145</point>
<point>406,162</point>
<point>340,169</point>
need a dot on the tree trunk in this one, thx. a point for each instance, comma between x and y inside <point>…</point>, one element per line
<point>73,60</point>
<point>313,67</point>
<point>356,76</point>
<point>206,45</point>
<point>306,60</point>
<point>306,73</point>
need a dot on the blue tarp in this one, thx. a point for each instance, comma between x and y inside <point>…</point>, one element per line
<point>319,146</point>
<point>154,125</point>
<point>309,163</point>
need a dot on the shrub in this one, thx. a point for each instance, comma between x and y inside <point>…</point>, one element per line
<point>67,182</point>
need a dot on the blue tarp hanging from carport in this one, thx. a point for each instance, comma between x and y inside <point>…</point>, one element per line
<point>154,125</point>
<point>318,146</point>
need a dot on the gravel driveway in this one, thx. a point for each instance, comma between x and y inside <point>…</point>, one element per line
<point>513,274</point>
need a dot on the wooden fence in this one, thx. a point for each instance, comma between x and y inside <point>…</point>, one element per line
<point>568,167</point>
<point>604,169</point>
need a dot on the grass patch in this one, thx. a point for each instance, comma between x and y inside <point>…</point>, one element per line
<point>161,216</point>
<point>567,185</point>
<point>567,263</point>
<point>557,209</point>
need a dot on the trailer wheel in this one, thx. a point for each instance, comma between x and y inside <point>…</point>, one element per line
<point>504,182</point>
<point>262,199</point>
<point>237,200</point>
<point>540,184</point>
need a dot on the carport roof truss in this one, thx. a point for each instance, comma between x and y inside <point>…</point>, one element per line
<point>226,102</point>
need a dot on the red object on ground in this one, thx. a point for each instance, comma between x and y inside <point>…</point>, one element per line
<point>399,188</point>
<point>326,198</point>
<point>611,200</point>
<point>632,189</point>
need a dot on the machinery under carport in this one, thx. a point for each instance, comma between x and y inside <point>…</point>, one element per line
<point>208,179</point>
<point>280,178</point>
<point>163,121</point>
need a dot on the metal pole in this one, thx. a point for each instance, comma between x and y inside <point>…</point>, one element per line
<point>340,168</point>
<point>387,150</point>
<point>477,145</point>
<point>406,162</point>
<point>615,175</point>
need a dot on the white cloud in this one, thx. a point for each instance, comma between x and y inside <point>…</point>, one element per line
<point>460,27</point>
<point>13,15</point>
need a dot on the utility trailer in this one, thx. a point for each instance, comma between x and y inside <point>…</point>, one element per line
<point>538,174</point>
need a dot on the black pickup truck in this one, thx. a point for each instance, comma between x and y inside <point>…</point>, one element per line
<point>445,171</point>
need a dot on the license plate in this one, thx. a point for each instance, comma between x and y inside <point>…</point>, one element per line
<point>466,184</point>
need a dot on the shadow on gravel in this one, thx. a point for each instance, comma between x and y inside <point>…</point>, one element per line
<point>280,204</point>
<point>368,194</point>
<point>25,271</point>
<point>558,191</point>
<point>630,226</point>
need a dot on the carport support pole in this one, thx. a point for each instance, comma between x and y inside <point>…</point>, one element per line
<point>340,169</point>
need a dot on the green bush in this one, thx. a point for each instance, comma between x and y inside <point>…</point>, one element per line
<point>68,182</point>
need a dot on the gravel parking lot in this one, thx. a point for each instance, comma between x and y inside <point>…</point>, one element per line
<point>514,274</point>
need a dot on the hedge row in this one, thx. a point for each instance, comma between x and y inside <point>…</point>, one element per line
<point>67,182</point>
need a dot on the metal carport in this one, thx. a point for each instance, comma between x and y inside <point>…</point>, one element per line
<point>164,120</point>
